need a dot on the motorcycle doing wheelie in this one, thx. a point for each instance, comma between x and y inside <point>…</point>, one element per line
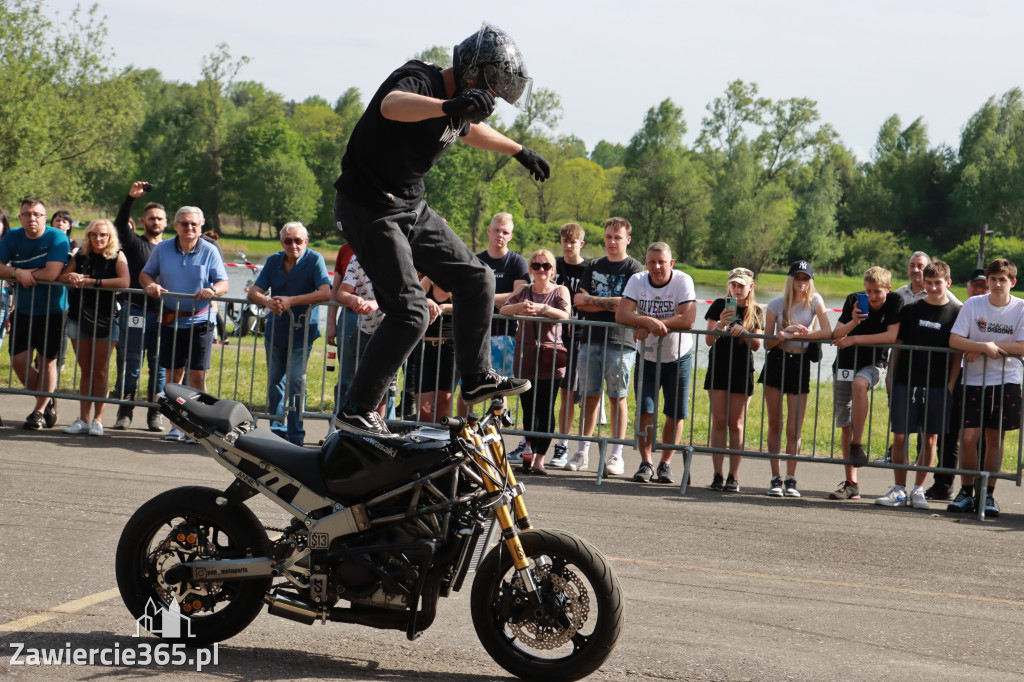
<point>379,530</point>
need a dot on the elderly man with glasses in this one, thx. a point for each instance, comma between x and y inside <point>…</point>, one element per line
<point>297,279</point>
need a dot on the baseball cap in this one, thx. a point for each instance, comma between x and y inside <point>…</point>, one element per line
<point>741,275</point>
<point>978,274</point>
<point>801,267</point>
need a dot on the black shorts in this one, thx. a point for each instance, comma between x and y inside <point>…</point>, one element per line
<point>186,346</point>
<point>436,367</point>
<point>730,370</point>
<point>997,409</point>
<point>42,333</point>
<point>788,372</point>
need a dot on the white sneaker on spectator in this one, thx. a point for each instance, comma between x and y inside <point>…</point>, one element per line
<point>79,426</point>
<point>175,434</point>
<point>579,462</point>
<point>896,497</point>
<point>96,428</point>
<point>614,466</point>
<point>917,499</point>
<point>561,457</point>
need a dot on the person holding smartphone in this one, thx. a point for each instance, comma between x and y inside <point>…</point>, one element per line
<point>730,377</point>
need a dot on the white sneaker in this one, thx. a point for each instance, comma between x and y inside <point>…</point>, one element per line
<point>614,466</point>
<point>96,428</point>
<point>896,497</point>
<point>917,499</point>
<point>78,427</point>
<point>579,462</point>
<point>516,456</point>
<point>561,457</point>
<point>175,434</point>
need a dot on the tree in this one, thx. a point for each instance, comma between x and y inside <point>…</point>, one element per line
<point>608,155</point>
<point>63,110</point>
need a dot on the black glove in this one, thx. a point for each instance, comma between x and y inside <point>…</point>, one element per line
<point>535,163</point>
<point>471,105</point>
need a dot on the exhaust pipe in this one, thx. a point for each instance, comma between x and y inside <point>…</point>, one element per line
<point>291,608</point>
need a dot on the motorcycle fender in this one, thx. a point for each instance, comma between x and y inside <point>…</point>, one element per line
<point>221,569</point>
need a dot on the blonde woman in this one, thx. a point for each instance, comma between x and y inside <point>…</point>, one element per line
<point>792,319</point>
<point>730,377</point>
<point>92,317</point>
<point>543,299</point>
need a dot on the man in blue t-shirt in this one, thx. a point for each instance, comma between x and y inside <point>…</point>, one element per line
<point>36,253</point>
<point>192,269</point>
<point>297,278</point>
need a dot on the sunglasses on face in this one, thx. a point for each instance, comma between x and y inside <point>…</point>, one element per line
<point>540,266</point>
<point>288,241</point>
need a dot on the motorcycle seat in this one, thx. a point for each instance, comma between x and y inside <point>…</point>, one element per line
<point>222,414</point>
<point>295,460</point>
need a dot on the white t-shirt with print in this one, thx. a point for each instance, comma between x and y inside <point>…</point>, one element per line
<point>979,320</point>
<point>661,303</point>
<point>356,278</point>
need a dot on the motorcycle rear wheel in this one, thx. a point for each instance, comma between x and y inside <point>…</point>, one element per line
<point>151,543</point>
<point>582,612</point>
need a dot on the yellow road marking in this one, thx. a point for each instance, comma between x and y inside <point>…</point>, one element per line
<point>70,607</point>
<point>817,581</point>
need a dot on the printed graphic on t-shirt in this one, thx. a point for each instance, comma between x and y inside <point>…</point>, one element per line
<point>656,308</point>
<point>608,285</point>
<point>994,327</point>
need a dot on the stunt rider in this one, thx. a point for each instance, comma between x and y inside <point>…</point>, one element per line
<point>415,115</point>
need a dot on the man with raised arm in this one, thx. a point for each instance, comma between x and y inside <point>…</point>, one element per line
<point>417,113</point>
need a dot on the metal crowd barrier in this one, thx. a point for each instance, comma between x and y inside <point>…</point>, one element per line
<point>237,361</point>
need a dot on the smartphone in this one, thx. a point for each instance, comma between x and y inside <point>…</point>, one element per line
<point>146,187</point>
<point>730,304</point>
<point>862,302</point>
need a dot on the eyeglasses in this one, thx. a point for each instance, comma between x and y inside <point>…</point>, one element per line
<point>288,241</point>
<point>540,266</point>
<point>29,214</point>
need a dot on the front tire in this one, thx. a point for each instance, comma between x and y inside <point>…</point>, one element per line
<point>180,526</point>
<point>581,617</point>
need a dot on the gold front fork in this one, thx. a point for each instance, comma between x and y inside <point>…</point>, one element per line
<point>508,523</point>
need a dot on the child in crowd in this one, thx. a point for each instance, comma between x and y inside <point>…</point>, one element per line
<point>792,319</point>
<point>857,370</point>
<point>569,268</point>
<point>922,382</point>
<point>989,328</point>
<point>730,376</point>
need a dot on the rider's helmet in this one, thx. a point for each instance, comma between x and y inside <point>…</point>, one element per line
<point>490,59</point>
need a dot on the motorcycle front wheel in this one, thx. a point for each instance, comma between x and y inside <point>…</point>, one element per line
<point>180,526</point>
<point>573,630</point>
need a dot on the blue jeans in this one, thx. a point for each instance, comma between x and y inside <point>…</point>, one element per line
<point>286,386</point>
<point>347,337</point>
<point>140,332</point>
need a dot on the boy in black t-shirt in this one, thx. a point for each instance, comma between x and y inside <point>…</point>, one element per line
<point>857,370</point>
<point>569,269</point>
<point>922,382</point>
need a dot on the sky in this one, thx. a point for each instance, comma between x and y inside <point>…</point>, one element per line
<point>610,62</point>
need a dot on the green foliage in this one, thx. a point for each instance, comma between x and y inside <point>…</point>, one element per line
<point>963,257</point>
<point>867,248</point>
<point>63,109</point>
<point>608,155</point>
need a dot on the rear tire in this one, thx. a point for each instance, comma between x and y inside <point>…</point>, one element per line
<point>582,600</point>
<point>151,544</point>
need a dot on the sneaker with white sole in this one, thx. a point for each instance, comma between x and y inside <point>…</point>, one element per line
<point>918,500</point>
<point>579,462</point>
<point>789,487</point>
<point>362,422</point>
<point>614,466</point>
<point>732,485</point>
<point>645,473</point>
<point>96,428</point>
<point>896,497</point>
<point>517,456</point>
<point>489,385</point>
<point>664,474</point>
<point>78,427</point>
<point>561,457</point>
<point>175,434</point>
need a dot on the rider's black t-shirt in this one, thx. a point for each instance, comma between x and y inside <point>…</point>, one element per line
<point>384,164</point>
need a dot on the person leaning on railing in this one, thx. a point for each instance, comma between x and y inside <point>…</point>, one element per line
<point>92,317</point>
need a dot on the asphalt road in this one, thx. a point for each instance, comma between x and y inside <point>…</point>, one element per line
<point>718,587</point>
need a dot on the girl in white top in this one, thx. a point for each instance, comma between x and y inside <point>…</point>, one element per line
<point>792,319</point>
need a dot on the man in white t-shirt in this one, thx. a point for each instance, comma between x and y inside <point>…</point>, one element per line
<point>659,302</point>
<point>989,328</point>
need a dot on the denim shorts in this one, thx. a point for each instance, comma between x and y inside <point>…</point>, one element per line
<point>674,382</point>
<point>75,332</point>
<point>612,364</point>
<point>842,393</point>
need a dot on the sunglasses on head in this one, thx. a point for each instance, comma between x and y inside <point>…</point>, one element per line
<point>540,266</point>
<point>288,241</point>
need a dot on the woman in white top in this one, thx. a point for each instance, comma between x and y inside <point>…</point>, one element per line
<point>792,319</point>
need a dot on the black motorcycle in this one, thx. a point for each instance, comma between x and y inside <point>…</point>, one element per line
<point>380,529</point>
